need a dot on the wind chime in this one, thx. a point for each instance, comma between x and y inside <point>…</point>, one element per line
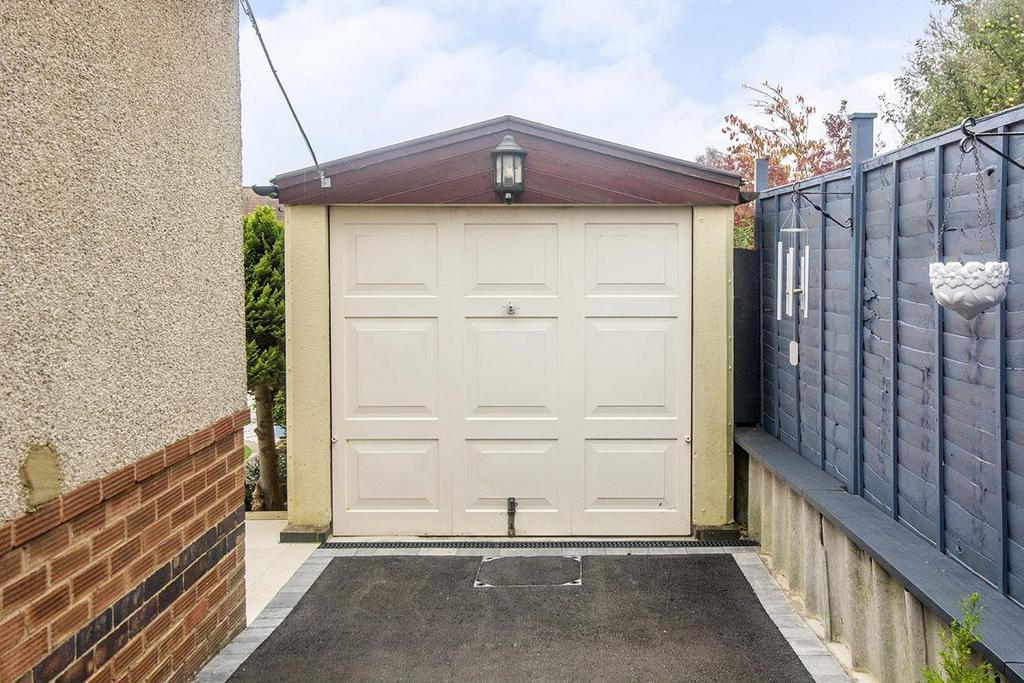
<point>970,287</point>
<point>792,289</point>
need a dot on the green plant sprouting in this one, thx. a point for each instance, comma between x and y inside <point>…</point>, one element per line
<point>955,656</point>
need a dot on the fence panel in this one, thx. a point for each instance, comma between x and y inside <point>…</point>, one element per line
<point>941,418</point>
<point>1013,345</point>
<point>808,327</point>
<point>876,333</point>
<point>969,400</point>
<point>837,341</point>
<point>917,496</point>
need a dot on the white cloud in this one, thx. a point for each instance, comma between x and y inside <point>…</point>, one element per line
<point>363,75</point>
<point>368,76</point>
<point>618,29</point>
<point>826,68</point>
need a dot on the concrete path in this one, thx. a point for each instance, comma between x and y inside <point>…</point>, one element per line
<point>269,564</point>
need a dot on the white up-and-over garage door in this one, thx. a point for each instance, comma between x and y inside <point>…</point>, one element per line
<point>535,353</point>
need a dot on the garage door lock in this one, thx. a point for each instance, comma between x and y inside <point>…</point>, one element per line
<point>512,505</point>
<point>510,307</point>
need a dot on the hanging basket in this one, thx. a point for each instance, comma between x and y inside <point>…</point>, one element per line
<point>969,288</point>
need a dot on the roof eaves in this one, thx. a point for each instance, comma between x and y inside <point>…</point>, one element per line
<point>542,130</point>
<point>378,151</point>
<point>674,161</point>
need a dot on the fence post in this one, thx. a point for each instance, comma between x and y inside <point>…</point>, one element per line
<point>861,149</point>
<point>822,460</point>
<point>1000,332</point>
<point>777,342</point>
<point>940,359</point>
<point>760,185</point>
<point>894,341</point>
<point>760,174</point>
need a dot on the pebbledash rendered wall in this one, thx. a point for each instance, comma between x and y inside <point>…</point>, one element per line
<point>121,332</point>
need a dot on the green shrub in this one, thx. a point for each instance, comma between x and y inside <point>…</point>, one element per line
<point>956,655</point>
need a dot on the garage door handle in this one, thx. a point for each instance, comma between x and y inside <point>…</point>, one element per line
<point>511,308</point>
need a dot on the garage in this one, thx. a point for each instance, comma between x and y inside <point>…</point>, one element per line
<point>467,358</point>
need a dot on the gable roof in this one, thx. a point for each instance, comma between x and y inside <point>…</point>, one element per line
<point>454,167</point>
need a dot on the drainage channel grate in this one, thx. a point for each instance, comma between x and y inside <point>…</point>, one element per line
<point>338,545</point>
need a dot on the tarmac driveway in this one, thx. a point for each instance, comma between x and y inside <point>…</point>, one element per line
<point>689,617</point>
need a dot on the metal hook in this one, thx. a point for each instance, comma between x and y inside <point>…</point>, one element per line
<point>798,193</point>
<point>969,141</point>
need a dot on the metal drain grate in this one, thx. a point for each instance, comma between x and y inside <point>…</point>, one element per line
<point>339,545</point>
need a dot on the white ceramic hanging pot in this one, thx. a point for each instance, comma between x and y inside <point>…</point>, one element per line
<point>969,288</point>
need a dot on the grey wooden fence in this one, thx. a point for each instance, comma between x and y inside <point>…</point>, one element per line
<point>914,408</point>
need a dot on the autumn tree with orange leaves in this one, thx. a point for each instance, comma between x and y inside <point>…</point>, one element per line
<point>783,137</point>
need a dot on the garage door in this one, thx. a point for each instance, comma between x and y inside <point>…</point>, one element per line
<point>535,353</point>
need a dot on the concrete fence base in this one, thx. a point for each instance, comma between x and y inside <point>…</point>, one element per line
<point>889,632</point>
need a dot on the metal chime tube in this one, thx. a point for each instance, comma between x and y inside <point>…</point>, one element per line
<point>805,280</point>
<point>790,279</point>
<point>778,281</point>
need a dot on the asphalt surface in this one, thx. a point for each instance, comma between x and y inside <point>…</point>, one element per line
<point>634,618</point>
<point>529,571</point>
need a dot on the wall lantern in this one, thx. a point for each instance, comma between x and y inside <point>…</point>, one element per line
<point>509,159</point>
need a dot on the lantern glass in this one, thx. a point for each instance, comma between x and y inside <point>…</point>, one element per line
<point>507,173</point>
<point>517,165</point>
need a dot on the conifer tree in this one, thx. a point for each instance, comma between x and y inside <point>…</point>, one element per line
<point>263,259</point>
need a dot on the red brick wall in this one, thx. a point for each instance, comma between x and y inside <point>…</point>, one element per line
<point>135,576</point>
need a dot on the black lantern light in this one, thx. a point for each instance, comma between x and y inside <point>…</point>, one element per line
<point>509,160</point>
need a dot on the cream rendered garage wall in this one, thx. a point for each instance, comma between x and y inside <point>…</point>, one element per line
<point>712,365</point>
<point>307,340</point>
<point>308,366</point>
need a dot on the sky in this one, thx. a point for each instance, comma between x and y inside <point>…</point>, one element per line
<point>654,74</point>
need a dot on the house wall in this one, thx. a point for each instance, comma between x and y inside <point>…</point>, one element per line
<point>122,336</point>
<point>308,339</point>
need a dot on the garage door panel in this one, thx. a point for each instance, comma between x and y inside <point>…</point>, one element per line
<point>391,367</point>
<point>511,259</point>
<point>512,367</point>
<point>492,470</point>
<point>384,259</point>
<point>524,469</point>
<point>631,367</point>
<point>631,259</point>
<point>630,475</point>
<point>395,475</point>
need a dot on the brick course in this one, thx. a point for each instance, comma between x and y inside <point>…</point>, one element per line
<point>135,576</point>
